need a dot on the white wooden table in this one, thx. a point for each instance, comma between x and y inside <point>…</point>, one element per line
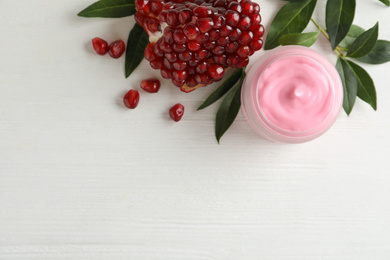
<point>81,177</point>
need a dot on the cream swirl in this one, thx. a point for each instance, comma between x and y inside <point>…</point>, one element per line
<point>295,93</point>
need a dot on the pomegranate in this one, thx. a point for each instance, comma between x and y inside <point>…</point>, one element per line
<point>193,42</point>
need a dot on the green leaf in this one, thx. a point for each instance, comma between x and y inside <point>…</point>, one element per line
<point>353,33</point>
<point>379,54</point>
<point>386,2</point>
<point>366,87</point>
<point>228,109</point>
<point>364,43</point>
<point>223,88</point>
<point>304,39</point>
<point>350,84</point>
<point>136,44</point>
<point>109,9</point>
<point>293,17</point>
<point>339,18</point>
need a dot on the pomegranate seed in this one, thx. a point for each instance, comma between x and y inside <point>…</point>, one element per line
<point>193,45</point>
<point>255,19</point>
<point>246,37</point>
<point>151,85</point>
<point>185,55</point>
<point>219,21</point>
<point>156,64</point>
<point>259,31</point>
<point>166,73</point>
<point>191,82</point>
<point>172,18</point>
<point>167,64</point>
<point>205,24</point>
<point>244,23</point>
<point>216,71</point>
<point>201,54</point>
<point>232,18</point>
<point>243,51</point>
<point>149,52</point>
<point>202,11</point>
<point>185,16</point>
<point>178,83</point>
<point>179,47</point>
<point>179,75</point>
<point>220,59</point>
<point>247,7</point>
<point>156,7</point>
<point>232,47</point>
<point>176,112</point>
<point>235,7</point>
<point>100,46</point>
<point>191,31</point>
<point>256,44</point>
<point>131,99</point>
<point>232,60</point>
<point>243,63</point>
<point>202,67</point>
<point>203,78</point>
<point>179,37</point>
<point>225,30</point>
<point>180,65</point>
<point>223,41</point>
<point>116,49</point>
<point>235,35</point>
<point>171,57</point>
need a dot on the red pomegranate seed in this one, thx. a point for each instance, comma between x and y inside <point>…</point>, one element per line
<point>202,67</point>
<point>131,99</point>
<point>205,24</point>
<point>167,64</point>
<point>216,71</point>
<point>243,51</point>
<point>156,64</point>
<point>185,16</point>
<point>149,52</point>
<point>246,37</point>
<point>172,18</point>
<point>223,41</point>
<point>247,7</point>
<point>176,112</point>
<point>185,55</point>
<point>191,31</point>
<point>179,37</point>
<point>244,23</point>
<point>214,35</point>
<point>178,83</point>
<point>203,78</point>
<point>179,75</point>
<point>116,49</point>
<point>243,63</point>
<point>255,19</point>
<point>202,11</point>
<point>151,85</point>
<point>171,57</point>
<point>156,7</point>
<point>220,59</point>
<point>232,47</point>
<point>191,81</point>
<point>235,7</point>
<point>219,21</point>
<point>179,47</point>
<point>225,30</point>
<point>201,54</point>
<point>256,44</point>
<point>232,18</point>
<point>193,45</point>
<point>166,73</point>
<point>180,65</point>
<point>100,46</point>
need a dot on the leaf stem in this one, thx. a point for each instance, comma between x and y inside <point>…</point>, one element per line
<point>322,30</point>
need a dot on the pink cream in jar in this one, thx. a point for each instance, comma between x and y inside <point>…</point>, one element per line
<point>292,95</point>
